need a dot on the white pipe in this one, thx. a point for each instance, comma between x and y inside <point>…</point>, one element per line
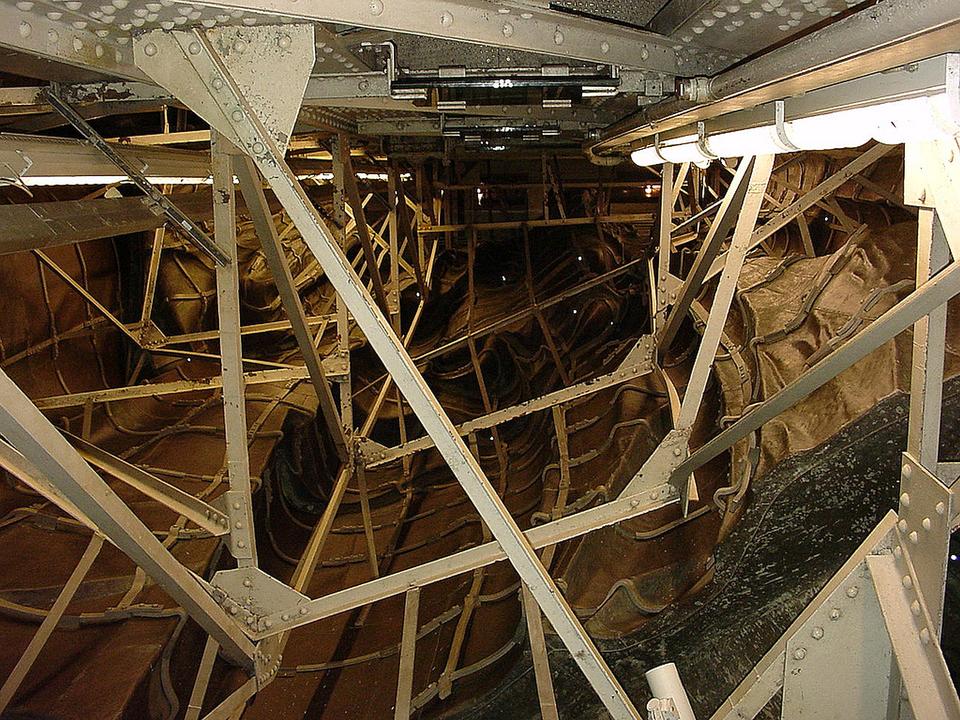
<point>664,682</point>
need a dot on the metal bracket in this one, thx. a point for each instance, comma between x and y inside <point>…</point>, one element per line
<point>641,352</point>
<point>249,594</point>
<point>370,451</point>
<point>924,528</point>
<point>840,653</point>
<point>659,467</point>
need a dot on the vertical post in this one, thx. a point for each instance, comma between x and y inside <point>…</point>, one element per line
<point>929,341</point>
<point>408,647</point>
<point>538,653</point>
<point>343,319</point>
<point>242,538</point>
<point>665,245</point>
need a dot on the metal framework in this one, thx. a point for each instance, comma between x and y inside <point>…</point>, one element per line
<point>889,594</point>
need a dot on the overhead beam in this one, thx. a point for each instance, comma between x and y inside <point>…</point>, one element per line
<point>512,25</point>
<point>37,226</point>
<point>37,159</point>
<point>883,35</point>
<point>60,42</point>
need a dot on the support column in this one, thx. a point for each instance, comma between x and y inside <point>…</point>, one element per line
<point>238,499</point>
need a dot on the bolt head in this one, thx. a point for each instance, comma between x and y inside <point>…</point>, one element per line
<point>853,591</point>
<point>150,50</point>
<point>800,653</point>
<point>835,614</point>
<point>816,633</point>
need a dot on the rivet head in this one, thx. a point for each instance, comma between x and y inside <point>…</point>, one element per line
<point>926,523</point>
<point>194,48</point>
<point>446,19</point>
<point>285,617</point>
<point>816,633</point>
<point>149,49</point>
<point>914,538</point>
<point>941,508</point>
<point>239,46</point>
<point>835,614</point>
<point>237,117</point>
<point>800,653</point>
<point>217,83</point>
<point>284,41</point>
<point>268,623</point>
<point>241,544</point>
<point>634,503</point>
<point>907,470</point>
<point>25,29</point>
<point>905,499</point>
<point>234,610</point>
<point>925,636</point>
<point>907,582</point>
<point>898,552</point>
<point>604,47</point>
<point>915,607</point>
<point>236,505</point>
<point>247,582</point>
<point>677,452</point>
<point>507,29</point>
<point>258,147</point>
<point>375,7</point>
<point>558,38</point>
<point>853,591</point>
<point>303,611</point>
<point>902,525</point>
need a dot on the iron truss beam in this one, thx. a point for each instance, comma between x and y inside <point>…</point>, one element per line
<point>510,25</point>
<point>210,82</point>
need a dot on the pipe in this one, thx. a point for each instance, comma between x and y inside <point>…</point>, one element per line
<point>665,684</point>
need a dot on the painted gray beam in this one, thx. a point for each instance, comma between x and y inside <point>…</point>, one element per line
<point>511,25</point>
<point>37,226</point>
<point>243,538</point>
